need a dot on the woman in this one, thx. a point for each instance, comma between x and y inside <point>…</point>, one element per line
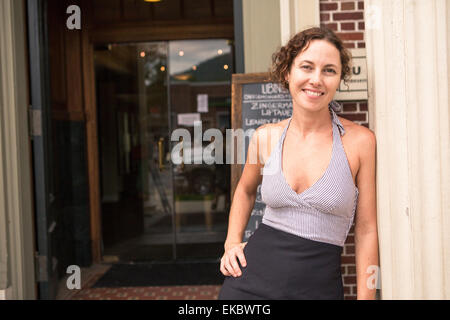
<point>317,177</point>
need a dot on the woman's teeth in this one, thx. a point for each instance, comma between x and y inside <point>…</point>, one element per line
<point>314,93</point>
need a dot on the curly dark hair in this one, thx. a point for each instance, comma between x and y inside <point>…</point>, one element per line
<point>283,58</point>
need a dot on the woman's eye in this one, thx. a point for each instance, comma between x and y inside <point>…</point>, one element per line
<point>306,67</point>
<point>330,71</point>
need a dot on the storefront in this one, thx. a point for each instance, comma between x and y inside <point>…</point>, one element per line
<point>89,107</point>
<point>110,81</point>
<point>133,73</point>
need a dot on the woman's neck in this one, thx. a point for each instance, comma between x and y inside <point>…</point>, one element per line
<point>305,122</point>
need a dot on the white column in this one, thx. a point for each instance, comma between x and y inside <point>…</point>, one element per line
<point>261,27</point>
<point>296,15</point>
<point>17,279</point>
<point>408,62</point>
<point>268,24</point>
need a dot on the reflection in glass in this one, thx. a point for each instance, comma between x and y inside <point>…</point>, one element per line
<point>200,85</point>
<point>152,209</point>
<point>136,183</point>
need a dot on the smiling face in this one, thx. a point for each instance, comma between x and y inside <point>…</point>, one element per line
<point>315,75</point>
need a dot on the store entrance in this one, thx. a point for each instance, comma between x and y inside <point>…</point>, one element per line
<point>152,208</point>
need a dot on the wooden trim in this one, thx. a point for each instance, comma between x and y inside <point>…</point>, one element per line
<point>237,81</point>
<point>118,33</point>
<point>65,115</point>
<point>236,122</point>
<point>91,140</point>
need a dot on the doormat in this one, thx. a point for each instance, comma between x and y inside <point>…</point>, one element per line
<point>161,274</point>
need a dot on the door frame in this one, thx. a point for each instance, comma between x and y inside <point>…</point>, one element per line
<point>137,33</point>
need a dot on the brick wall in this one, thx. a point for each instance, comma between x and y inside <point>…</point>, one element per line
<point>346,18</point>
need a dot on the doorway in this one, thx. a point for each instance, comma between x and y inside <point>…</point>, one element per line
<point>151,208</point>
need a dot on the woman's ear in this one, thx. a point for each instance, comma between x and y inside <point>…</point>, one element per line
<point>286,77</point>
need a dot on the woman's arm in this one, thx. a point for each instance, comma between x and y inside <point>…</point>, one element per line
<point>366,236</point>
<point>241,208</point>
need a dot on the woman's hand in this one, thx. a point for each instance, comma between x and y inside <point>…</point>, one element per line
<point>228,263</point>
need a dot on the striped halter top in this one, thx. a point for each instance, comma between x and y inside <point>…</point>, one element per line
<point>324,212</point>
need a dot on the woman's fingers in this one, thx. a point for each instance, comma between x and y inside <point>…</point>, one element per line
<point>222,267</point>
<point>241,257</point>
<point>229,262</point>
<point>233,262</point>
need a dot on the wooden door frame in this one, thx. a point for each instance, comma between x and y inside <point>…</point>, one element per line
<point>134,33</point>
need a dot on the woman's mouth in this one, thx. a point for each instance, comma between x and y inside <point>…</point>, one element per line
<point>313,94</point>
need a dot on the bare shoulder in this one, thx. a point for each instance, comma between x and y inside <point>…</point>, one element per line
<point>270,126</point>
<point>266,136</point>
<point>362,139</point>
<point>271,130</point>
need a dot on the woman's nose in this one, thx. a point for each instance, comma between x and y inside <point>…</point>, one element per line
<point>315,78</point>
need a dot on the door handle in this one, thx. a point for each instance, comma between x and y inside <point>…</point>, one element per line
<point>182,154</point>
<point>161,153</point>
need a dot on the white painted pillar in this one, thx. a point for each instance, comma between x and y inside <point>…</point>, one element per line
<point>268,24</point>
<point>17,280</point>
<point>408,58</point>
<point>296,15</point>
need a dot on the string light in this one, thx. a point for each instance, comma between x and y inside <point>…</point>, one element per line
<point>181,53</point>
<point>225,66</point>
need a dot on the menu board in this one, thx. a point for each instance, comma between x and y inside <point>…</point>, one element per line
<point>256,101</point>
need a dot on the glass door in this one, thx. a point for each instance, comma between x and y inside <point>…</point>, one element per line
<point>200,99</point>
<point>136,180</point>
<point>152,208</point>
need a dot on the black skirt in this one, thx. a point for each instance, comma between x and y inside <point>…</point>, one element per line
<point>283,266</point>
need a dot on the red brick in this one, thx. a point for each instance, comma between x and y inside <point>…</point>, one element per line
<point>324,17</point>
<point>349,45</point>
<point>349,249</point>
<point>347,290</point>
<point>350,35</point>
<point>352,228</point>
<point>349,279</point>
<point>347,26</point>
<point>328,6</point>
<point>350,239</point>
<point>361,5</point>
<point>348,16</point>
<point>365,125</point>
<point>361,25</point>
<point>349,106</point>
<point>350,297</point>
<point>343,270</point>
<point>363,106</point>
<point>361,44</point>
<point>348,259</point>
<point>355,116</point>
<point>332,26</point>
<point>351,269</point>
<point>347,6</point>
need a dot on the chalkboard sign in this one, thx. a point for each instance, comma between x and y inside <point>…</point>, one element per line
<point>256,101</point>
